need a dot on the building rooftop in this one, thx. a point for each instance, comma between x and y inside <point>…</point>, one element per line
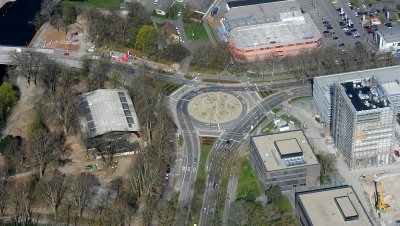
<point>391,88</point>
<point>163,5</point>
<point>390,34</point>
<point>284,150</point>
<point>365,94</point>
<point>239,3</point>
<point>382,75</point>
<point>259,13</point>
<point>300,28</point>
<point>333,206</point>
<point>109,110</point>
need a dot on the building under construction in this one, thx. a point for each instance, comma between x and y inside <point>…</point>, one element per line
<point>362,123</point>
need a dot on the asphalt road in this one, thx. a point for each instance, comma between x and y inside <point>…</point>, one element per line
<point>235,135</point>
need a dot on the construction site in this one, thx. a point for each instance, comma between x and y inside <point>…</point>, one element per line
<point>382,195</point>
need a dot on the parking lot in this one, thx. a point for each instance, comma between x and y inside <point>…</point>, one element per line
<point>328,19</point>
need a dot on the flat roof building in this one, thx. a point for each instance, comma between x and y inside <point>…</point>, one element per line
<point>268,28</point>
<point>323,87</point>
<point>285,159</point>
<point>331,207</point>
<point>362,123</point>
<point>387,39</point>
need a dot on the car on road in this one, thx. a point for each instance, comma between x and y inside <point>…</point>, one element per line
<point>389,25</point>
<point>348,33</point>
<point>356,13</point>
<point>345,29</point>
<point>334,38</point>
<point>66,54</point>
<point>195,160</point>
<point>341,44</point>
<point>356,34</point>
<point>329,27</point>
<point>155,2</point>
<point>166,176</point>
<point>349,4</point>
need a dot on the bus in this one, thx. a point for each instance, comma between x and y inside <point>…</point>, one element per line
<point>335,2</point>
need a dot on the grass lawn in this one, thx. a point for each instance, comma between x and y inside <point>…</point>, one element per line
<point>169,87</point>
<point>276,110</point>
<point>288,118</point>
<point>294,99</point>
<point>285,205</point>
<point>197,30</point>
<point>248,180</point>
<point>266,93</point>
<point>267,129</point>
<point>199,186</point>
<point>220,81</point>
<point>203,70</point>
<point>95,3</point>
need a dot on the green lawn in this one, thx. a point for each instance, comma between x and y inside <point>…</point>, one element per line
<point>276,110</point>
<point>294,99</point>
<point>94,3</point>
<point>199,186</point>
<point>248,180</point>
<point>202,70</point>
<point>267,129</point>
<point>169,87</point>
<point>218,80</point>
<point>288,118</point>
<point>195,32</point>
<point>285,205</point>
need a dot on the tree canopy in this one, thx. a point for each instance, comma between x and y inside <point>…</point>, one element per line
<point>146,38</point>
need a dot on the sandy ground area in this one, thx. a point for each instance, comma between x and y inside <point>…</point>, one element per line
<point>216,107</point>
<point>391,186</point>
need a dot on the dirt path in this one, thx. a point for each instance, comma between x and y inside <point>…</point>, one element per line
<point>21,114</point>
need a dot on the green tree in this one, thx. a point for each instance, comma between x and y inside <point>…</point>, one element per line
<point>8,95</point>
<point>394,17</point>
<point>69,15</point>
<point>382,18</point>
<point>114,78</point>
<point>274,195</point>
<point>146,38</point>
<point>355,2</point>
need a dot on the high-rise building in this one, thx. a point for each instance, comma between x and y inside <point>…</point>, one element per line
<point>362,123</point>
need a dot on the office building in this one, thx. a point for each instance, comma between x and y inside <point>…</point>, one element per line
<point>362,123</point>
<point>334,206</point>
<point>285,159</point>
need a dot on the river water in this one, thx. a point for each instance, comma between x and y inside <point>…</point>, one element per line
<point>15,24</point>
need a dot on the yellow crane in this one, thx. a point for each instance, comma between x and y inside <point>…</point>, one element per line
<point>379,203</point>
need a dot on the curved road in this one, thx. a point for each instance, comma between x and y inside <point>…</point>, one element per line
<point>237,133</point>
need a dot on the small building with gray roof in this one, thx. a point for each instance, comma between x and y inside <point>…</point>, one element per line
<point>285,159</point>
<point>331,206</point>
<point>387,39</point>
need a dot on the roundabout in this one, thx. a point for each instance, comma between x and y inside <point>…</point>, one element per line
<point>216,107</point>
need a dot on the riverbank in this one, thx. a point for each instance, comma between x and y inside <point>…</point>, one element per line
<point>3,2</point>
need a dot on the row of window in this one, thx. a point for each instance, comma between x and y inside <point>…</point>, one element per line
<point>277,47</point>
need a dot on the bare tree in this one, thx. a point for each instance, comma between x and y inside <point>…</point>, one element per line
<point>49,73</point>
<point>82,190</point>
<point>62,110</point>
<point>52,190</point>
<point>45,148</point>
<point>29,63</point>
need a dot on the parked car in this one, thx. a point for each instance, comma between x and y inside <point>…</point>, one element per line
<point>396,153</point>
<point>334,38</point>
<point>356,34</point>
<point>341,44</point>
<point>353,30</point>
<point>195,160</point>
<point>348,33</point>
<point>349,4</point>
<point>389,25</point>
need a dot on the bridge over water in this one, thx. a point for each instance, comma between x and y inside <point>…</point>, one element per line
<point>72,59</point>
